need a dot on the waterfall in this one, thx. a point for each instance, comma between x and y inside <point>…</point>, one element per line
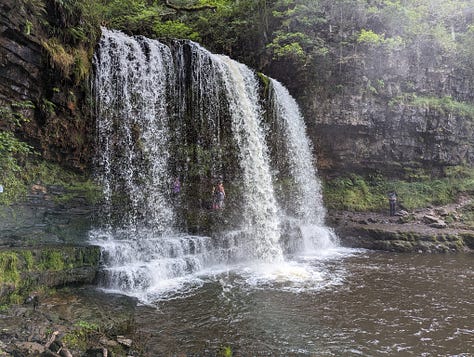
<point>131,82</point>
<point>176,110</point>
<point>260,217</point>
<point>306,191</point>
<point>307,187</point>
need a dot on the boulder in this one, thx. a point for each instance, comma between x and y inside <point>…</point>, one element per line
<point>428,219</point>
<point>440,224</point>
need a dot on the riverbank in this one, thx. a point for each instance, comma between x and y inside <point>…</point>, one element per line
<point>424,297</point>
<point>70,322</point>
<point>430,230</point>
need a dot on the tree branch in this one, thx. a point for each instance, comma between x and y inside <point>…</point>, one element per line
<point>189,8</point>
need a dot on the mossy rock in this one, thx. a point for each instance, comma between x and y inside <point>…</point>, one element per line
<point>377,234</point>
<point>408,236</point>
<point>428,238</point>
<point>456,246</point>
<point>25,270</point>
<point>468,239</point>
<point>401,246</point>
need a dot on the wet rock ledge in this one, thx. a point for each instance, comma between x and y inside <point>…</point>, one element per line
<point>28,272</point>
<point>420,232</point>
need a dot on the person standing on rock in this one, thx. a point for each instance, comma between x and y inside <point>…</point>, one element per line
<point>392,201</point>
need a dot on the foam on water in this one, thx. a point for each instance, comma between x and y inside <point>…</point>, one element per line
<point>303,273</point>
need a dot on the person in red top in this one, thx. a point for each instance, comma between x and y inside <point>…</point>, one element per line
<point>219,195</point>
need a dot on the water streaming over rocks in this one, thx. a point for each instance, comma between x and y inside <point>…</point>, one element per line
<point>307,197</point>
<point>178,111</point>
<point>133,131</point>
<point>260,211</point>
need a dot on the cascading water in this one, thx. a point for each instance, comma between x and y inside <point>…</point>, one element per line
<point>132,82</point>
<point>260,217</point>
<point>133,131</point>
<point>306,193</point>
<point>180,111</point>
<point>308,189</point>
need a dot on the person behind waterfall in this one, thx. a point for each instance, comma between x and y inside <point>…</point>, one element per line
<point>392,201</point>
<point>176,186</point>
<point>219,195</point>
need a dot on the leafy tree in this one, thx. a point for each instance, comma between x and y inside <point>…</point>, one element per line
<point>154,18</point>
<point>297,34</point>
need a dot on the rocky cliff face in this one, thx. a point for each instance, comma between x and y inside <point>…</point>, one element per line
<point>21,57</point>
<point>394,115</point>
<point>59,125</point>
<point>372,119</point>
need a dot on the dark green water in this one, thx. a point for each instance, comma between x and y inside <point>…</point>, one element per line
<point>366,303</point>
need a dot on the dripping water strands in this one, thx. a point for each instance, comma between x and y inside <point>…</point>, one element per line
<point>306,186</point>
<point>131,100</point>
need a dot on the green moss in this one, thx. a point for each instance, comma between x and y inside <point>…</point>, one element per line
<point>82,64</point>
<point>445,105</point>
<point>466,215</point>
<point>354,193</point>
<point>225,351</point>
<point>17,180</point>
<point>63,258</point>
<point>9,268</point>
<point>407,236</point>
<point>265,82</point>
<point>401,246</point>
<point>52,260</point>
<point>456,246</point>
<point>29,260</point>
<point>13,151</point>
<point>16,298</point>
<point>38,269</point>
<point>468,239</point>
<point>89,258</point>
<point>60,58</point>
<point>79,337</point>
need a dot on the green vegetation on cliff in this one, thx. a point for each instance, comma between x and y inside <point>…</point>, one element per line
<point>20,166</point>
<point>68,31</point>
<point>317,40</point>
<point>305,37</point>
<point>357,193</point>
<point>13,151</point>
<point>445,105</point>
